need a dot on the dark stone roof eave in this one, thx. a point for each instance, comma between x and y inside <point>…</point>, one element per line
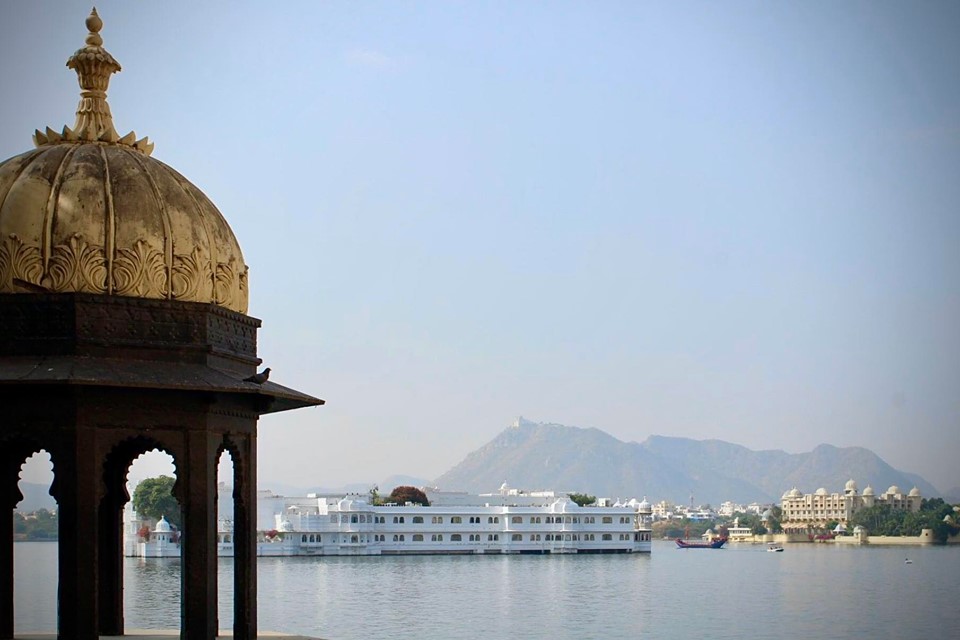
<point>158,375</point>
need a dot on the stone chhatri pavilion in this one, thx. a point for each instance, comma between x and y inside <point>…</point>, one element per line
<point>123,294</point>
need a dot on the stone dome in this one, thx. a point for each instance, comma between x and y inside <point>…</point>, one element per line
<point>90,211</point>
<point>850,487</point>
<point>893,490</point>
<point>795,493</point>
<point>914,493</point>
<point>868,491</point>
<point>162,526</point>
<point>821,491</point>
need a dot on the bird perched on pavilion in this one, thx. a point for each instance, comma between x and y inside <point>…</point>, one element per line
<point>259,378</point>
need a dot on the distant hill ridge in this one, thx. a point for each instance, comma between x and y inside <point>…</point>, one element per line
<point>35,497</point>
<point>532,456</point>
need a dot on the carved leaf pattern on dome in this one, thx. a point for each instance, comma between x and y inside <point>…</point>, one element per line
<point>77,266</point>
<point>224,285</point>
<point>140,271</point>
<point>243,281</point>
<point>244,292</point>
<point>189,271</point>
<point>19,261</point>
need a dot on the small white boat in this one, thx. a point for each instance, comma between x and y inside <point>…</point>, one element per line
<point>908,561</point>
<point>775,548</point>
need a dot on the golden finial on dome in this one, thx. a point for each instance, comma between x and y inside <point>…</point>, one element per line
<point>94,66</point>
<point>94,24</point>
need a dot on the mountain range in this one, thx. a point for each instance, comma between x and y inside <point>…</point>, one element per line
<point>534,456</point>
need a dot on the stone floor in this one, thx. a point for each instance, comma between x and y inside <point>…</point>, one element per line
<point>153,634</point>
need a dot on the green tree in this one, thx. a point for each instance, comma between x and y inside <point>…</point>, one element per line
<point>19,523</point>
<point>153,498</point>
<point>582,499</point>
<point>870,518</point>
<point>375,498</point>
<point>39,525</point>
<point>404,494</point>
<point>681,528</point>
<point>773,523</point>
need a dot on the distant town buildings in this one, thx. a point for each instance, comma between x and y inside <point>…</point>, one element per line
<point>805,511</point>
<point>665,510</point>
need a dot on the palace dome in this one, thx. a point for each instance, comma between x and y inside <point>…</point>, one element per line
<point>868,491</point>
<point>162,526</point>
<point>90,211</point>
<point>893,490</point>
<point>851,486</point>
<point>914,492</point>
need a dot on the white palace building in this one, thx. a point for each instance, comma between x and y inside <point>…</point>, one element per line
<point>508,522</point>
<point>805,511</point>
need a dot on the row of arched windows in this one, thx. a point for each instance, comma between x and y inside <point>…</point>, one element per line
<point>476,537</point>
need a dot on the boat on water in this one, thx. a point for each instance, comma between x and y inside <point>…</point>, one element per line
<point>775,548</point>
<point>716,543</point>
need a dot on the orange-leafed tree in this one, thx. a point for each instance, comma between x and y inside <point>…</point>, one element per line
<point>404,494</point>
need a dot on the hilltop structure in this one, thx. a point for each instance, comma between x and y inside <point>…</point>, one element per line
<point>807,511</point>
<point>123,294</point>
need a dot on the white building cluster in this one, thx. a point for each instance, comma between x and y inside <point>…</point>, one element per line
<point>665,510</point>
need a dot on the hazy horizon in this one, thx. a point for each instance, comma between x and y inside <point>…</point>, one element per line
<point>733,221</point>
<point>157,463</point>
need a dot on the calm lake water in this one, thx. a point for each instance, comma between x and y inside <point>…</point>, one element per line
<point>809,591</point>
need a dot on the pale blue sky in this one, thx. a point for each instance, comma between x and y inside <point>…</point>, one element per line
<point>734,220</point>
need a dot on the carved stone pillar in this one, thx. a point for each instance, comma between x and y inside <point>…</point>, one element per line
<point>197,480</point>
<point>111,570</point>
<point>9,497</point>
<point>111,549</point>
<point>245,540</point>
<point>77,474</point>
